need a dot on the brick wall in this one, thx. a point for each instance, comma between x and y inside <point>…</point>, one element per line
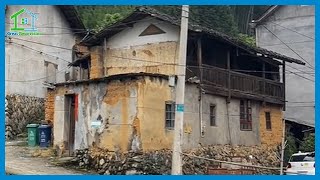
<point>49,106</point>
<point>96,68</point>
<point>271,137</point>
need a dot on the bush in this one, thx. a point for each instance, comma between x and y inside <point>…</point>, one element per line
<point>290,148</point>
<point>307,145</point>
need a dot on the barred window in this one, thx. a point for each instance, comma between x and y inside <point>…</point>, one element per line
<point>268,120</point>
<point>170,114</point>
<point>245,115</point>
<point>212,115</point>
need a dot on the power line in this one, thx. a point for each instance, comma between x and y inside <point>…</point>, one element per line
<point>299,70</point>
<point>32,80</point>
<point>288,47</point>
<point>86,29</point>
<point>287,43</point>
<point>301,102</point>
<point>59,47</point>
<point>292,30</point>
<point>161,63</point>
<point>41,52</point>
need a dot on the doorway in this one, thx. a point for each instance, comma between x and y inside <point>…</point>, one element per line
<point>70,107</point>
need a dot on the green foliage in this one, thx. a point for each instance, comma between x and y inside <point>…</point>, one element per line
<point>291,147</point>
<point>108,20</point>
<point>307,145</point>
<point>97,17</point>
<point>249,40</point>
<point>226,19</point>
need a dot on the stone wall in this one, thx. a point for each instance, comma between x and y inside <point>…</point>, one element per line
<point>20,111</point>
<point>159,162</point>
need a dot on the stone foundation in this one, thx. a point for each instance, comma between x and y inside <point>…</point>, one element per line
<point>20,111</point>
<point>159,162</point>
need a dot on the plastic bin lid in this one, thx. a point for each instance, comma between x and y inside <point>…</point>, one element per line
<point>43,126</point>
<point>32,125</point>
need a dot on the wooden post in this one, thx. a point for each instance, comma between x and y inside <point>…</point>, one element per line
<point>229,76</point>
<point>199,58</point>
<point>284,84</point>
<point>264,81</point>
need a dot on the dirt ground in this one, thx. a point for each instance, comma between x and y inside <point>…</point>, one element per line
<point>23,160</point>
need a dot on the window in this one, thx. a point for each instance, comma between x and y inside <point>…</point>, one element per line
<point>51,72</point>
<point>170,114</point>
<point>245,115</point>
<point>268,120</point>
<point>212,115</point>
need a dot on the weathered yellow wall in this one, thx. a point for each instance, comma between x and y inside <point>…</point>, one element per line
<point>130,109</point>
<point>96,67</point>
<point>151,103</point>
<point>119,132</point>
<point>271,137</point>
<point>49,106</point>
<point>142,58</point>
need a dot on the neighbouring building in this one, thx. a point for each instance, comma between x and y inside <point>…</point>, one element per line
<point>124,96</point>
<point>290,30</point>
<point>38,45</point>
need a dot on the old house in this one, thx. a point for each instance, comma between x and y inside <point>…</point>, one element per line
<point>290,30</point>
<point>124,96</point>
<point>38,46</point>
<point>42,58</point>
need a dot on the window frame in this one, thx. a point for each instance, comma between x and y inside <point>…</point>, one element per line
<point>213,115</point>
<point>245,115</point>
<point>171,118</point>
<point>269,128</point>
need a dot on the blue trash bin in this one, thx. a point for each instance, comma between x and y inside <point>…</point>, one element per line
<point>44,135</point>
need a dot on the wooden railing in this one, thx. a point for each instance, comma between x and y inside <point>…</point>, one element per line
<point>245,83</point>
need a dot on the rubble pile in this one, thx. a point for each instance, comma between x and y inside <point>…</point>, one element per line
<point>20,111</point>
<point>255,155</point>
<point>111,163</point>
<point>159,162</point>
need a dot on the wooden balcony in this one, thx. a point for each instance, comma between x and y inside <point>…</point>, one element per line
<point>216,81</point>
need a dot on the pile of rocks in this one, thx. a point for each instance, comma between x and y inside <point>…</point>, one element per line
<point>106,162</point>
<point>20,111</point>
<point>159,162</point>
<point>83,158</point>
<point>256,155</point>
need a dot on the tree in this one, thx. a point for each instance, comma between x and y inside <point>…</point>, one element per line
<point>290,148</point>
<point>307,145</point>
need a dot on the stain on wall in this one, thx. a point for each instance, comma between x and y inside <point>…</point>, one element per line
<point>218,134</point>
<point>153,93</point>
<point>131,114</point>
<point>151,58</point>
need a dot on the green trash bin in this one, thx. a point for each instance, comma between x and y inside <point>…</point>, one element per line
<point>33,135</point>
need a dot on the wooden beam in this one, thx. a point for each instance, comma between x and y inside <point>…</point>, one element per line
<point>229,76</point>
<point>264,80</point>
<point>214,90</point>
<point>284,83</point>
<point>199,57</point>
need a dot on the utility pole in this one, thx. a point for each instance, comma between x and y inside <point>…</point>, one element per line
<point>180,71</point>
<point>283,145</point>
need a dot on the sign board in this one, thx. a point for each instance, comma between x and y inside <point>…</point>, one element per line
<point>180,107</point>
<point>95,124</point>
